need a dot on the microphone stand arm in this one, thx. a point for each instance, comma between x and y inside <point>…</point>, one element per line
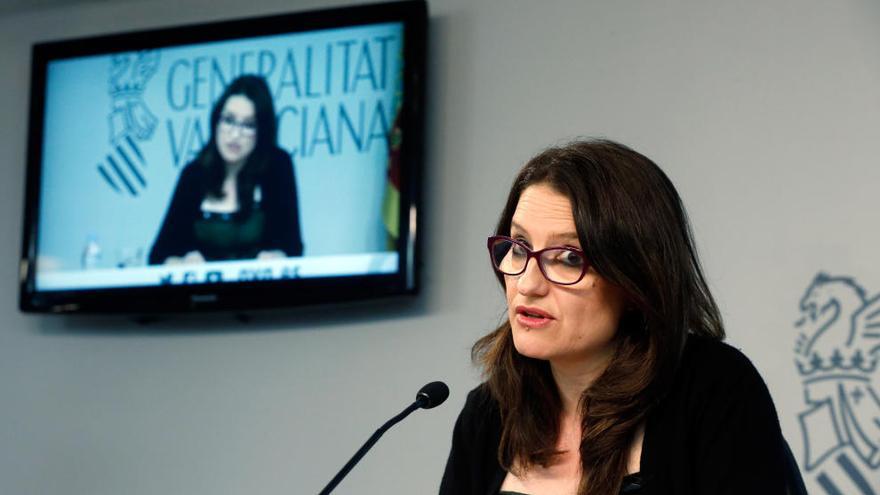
<point>368,445</point>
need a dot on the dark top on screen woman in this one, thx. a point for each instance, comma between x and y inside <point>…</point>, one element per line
<point>273,212</point>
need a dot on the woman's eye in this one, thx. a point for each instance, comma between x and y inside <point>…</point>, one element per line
<point>571,258</point>
<point>229,120</point>
<point>518,250</point>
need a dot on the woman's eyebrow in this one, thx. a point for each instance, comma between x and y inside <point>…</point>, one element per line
<point>567,236</point>
<point>560,237</point>
<point>517,227</point>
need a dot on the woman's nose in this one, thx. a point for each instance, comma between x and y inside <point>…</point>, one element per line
<point>532,281</point>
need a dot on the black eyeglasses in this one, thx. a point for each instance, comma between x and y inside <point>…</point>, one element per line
<point>560,265</point>
<point>228,124</point>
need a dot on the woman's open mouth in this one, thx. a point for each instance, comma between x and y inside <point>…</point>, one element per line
<point>532,317</point>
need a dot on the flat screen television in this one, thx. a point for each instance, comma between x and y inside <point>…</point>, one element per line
<point>235,165</point>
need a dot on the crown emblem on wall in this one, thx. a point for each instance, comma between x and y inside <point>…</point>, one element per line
<point>840,328</point>
<point>836,363</point>
<point>836,354</point>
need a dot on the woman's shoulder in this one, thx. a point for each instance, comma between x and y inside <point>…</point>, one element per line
<point>278,165</point>
<point>717,430</point>
<point>279,157</point>
<point>194,170</point>
<point>709,365</point>
<point>710,355</point>
<point>480,415</point>
<point>479,401</point>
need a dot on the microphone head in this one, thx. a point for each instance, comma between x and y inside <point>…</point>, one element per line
<point>432,395</point>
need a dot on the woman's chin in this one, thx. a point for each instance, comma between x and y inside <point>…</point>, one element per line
<point>230,157</point>
<point>528,343</point>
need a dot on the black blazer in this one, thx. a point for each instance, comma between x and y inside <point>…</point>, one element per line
<point>716,432</point>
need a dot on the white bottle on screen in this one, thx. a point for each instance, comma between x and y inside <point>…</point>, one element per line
<point>91,253</point>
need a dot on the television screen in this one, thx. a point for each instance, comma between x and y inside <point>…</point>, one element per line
<point>233,165</point>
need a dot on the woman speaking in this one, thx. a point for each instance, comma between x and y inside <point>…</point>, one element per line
<point>608,375</point>
<point>237,199</point>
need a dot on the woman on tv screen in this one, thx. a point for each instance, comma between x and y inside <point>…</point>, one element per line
<point>237,199</point>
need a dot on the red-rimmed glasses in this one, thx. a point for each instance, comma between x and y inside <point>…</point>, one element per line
<point>560,264</point>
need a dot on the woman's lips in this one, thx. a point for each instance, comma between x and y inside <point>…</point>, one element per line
<point>531,317</point>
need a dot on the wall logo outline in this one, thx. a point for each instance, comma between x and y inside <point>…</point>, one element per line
<point>837,355</point>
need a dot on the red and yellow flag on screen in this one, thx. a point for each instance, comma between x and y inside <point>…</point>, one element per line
<point>391,202</point>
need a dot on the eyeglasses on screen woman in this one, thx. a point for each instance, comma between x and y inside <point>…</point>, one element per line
<point>228,124</point>
<point>561,265</point>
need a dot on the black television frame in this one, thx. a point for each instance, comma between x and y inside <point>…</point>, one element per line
<point>239,296</point>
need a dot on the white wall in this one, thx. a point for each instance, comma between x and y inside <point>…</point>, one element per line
<point>765,114</point>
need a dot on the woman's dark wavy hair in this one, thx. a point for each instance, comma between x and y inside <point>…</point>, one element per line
<point>255,89</point>
<point>634,231</point>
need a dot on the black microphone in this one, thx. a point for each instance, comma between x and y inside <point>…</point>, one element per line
<point>432,395</point>
<point>429,396</point>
